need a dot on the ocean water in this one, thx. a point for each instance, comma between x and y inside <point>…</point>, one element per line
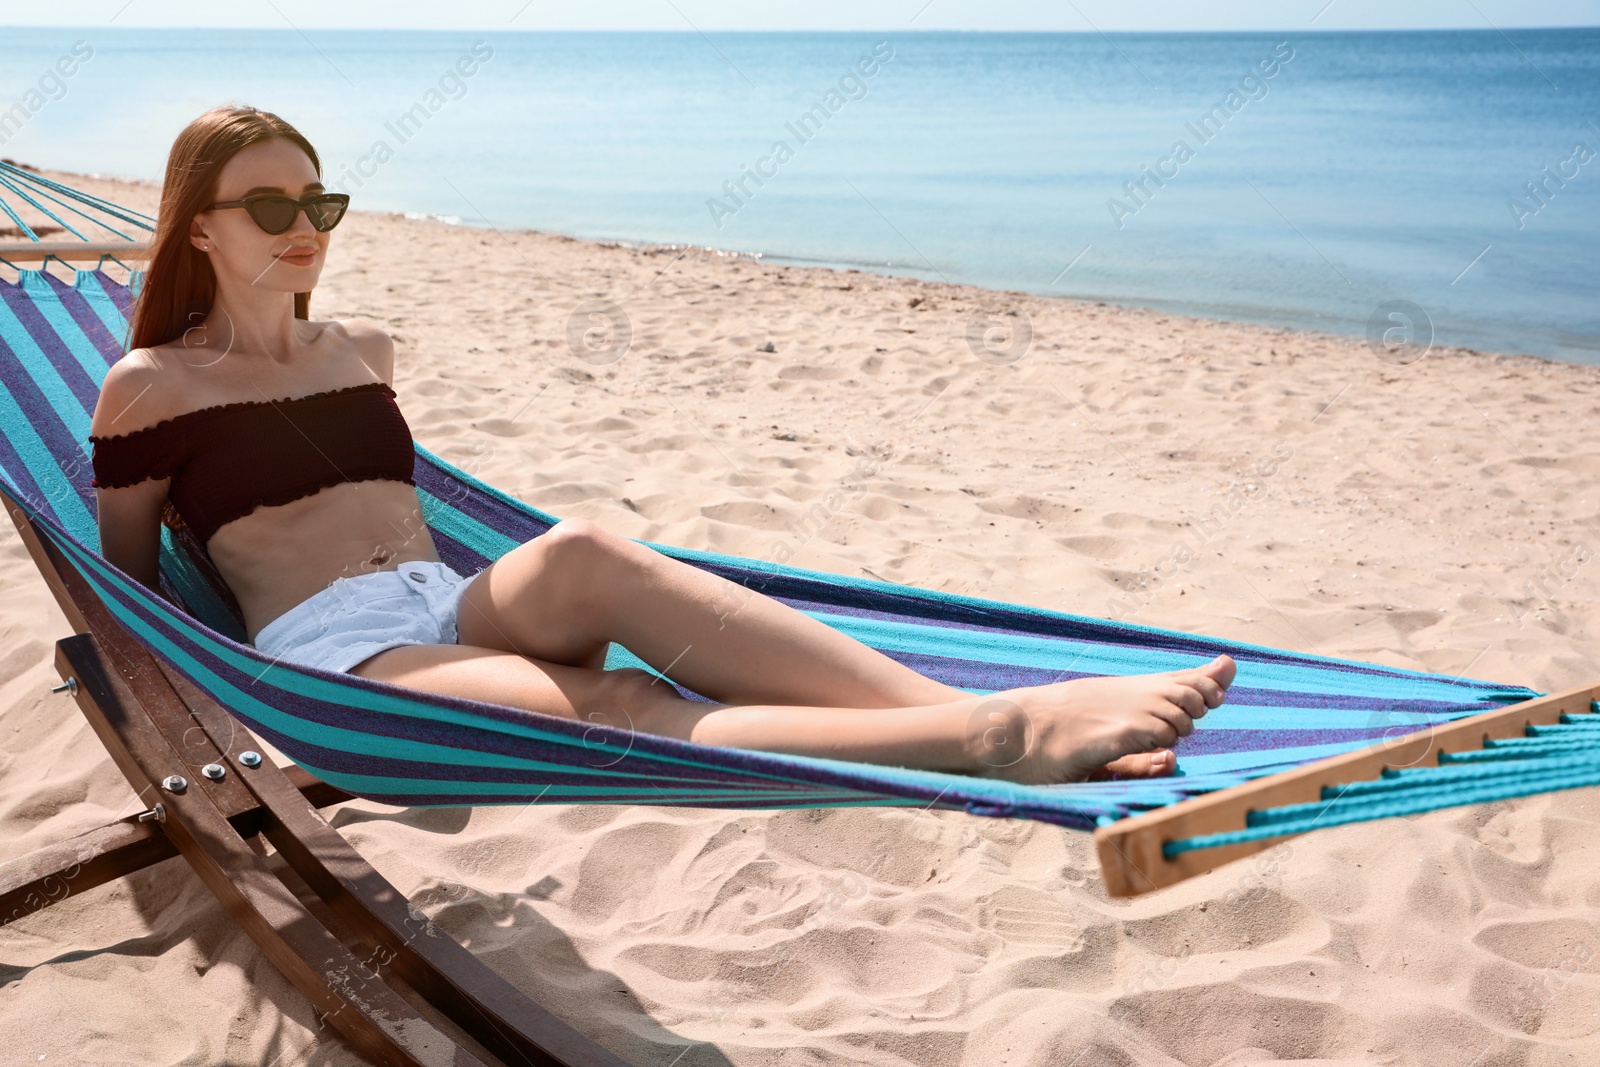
<point>1298,178</point>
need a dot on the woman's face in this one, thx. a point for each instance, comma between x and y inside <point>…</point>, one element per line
<point>288,262</point>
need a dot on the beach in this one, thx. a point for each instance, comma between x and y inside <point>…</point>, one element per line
<point>1270,485</point>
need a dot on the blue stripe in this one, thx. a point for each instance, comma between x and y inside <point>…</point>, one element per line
<point>76,344</point>
<point>90,283</point>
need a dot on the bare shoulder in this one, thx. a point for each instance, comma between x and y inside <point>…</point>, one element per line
<point>372,343</point>
<point>135,394</point>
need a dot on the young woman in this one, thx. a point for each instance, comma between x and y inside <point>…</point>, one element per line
<point>276,438</point>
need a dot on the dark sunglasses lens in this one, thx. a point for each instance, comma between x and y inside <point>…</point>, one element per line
<point>274,213</point>
<point>326,211</point>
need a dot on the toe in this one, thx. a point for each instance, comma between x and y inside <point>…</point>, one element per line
<point>1222,669</point>
<point>1138,765</point>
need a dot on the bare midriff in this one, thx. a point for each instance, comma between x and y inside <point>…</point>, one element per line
<point>279,555</point>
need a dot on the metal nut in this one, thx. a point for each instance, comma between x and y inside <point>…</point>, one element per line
<point>175,783</point>
<point>250,758</point>
<point>214,771</point>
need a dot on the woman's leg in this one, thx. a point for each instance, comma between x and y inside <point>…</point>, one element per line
<point>1061,732</point>
<point>562,596</point>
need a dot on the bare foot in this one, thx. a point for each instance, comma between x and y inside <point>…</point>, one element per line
<point>1070,731</point>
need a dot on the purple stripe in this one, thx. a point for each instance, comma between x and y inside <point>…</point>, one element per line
<point>461,559</point>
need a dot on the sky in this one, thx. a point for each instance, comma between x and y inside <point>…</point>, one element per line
<point>712,15</point>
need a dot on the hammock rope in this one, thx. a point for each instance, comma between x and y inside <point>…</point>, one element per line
<point>1548,759</point>
<point>16,178</point>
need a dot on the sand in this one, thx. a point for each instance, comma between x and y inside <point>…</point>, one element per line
<point>1437,515</point>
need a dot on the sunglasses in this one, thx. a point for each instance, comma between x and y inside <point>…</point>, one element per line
<point>275,214</point>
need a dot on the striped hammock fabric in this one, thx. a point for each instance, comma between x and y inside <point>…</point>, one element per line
<point>405,747</point>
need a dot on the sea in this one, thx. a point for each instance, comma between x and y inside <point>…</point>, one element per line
<point>1333,180</point>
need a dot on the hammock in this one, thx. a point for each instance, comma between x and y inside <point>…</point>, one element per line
<point>405,747</point>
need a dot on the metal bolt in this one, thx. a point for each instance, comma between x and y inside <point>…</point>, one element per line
<point>175,783</point>
<point>250,758</point>
<point>68,686</point>
<point>214,771</point>
<point>155,814</point>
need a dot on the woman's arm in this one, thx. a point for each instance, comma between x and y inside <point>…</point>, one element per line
<point>130,529</point>
<point>130,516</point>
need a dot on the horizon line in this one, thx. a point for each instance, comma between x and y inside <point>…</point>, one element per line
<point>107,25</point>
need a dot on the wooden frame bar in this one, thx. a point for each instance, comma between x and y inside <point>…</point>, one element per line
<point>155,723</point>
<point>37,879</point>
<point>46,875</point>
<point>73,250</point>
<point>1130,850</point>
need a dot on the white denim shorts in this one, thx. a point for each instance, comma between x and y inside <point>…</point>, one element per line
<point>357,617</point>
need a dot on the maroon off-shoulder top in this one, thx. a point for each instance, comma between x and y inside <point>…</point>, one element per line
<point>228,459</point>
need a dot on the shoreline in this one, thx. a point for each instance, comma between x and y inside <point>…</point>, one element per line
<point>1245,315</point>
